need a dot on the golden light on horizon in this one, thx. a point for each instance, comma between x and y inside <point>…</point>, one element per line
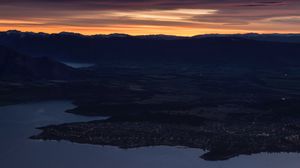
<point>143,30</point>
<point>17,22</point>
<point>151,17</point>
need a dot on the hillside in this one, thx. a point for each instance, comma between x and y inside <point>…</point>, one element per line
<point>15,66</point>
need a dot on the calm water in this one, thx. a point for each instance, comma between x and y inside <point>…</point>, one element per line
<point>79,65</point>
<point>18,122</point>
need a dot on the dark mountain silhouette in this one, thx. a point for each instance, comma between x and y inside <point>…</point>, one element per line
<point>15,66</point>
<point>119,48</point>
<point>287,38</point>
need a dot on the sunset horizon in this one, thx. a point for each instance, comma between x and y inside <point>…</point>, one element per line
<point>153,34</point>
<point>171,17</point>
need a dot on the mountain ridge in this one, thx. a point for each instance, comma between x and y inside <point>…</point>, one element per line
<point>19,67</point>
<point>145,50</point>
<point>158,36</point>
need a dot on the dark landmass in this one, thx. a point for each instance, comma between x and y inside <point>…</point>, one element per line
<point>148,50</point>
<point>19,67</point>
<point>230,96</point>
<point>226,115</point>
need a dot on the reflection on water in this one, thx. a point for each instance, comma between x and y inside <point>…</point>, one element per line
<point>78,65</point>
<point>17,123</point>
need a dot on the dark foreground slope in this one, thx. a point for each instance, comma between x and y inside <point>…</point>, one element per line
<point>24,78</point>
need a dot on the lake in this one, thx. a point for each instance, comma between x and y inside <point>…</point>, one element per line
<point>78,65</point>
<point>18,122</point>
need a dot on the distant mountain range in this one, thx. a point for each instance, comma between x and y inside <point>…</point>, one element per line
<point>237,49</point>
<point>292,38</point>
<point>19,67</point>
<point>287,38</point>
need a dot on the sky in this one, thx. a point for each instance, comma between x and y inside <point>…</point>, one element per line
<point>139,17</point>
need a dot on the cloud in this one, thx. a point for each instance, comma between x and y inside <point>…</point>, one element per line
<point>216,15</point>
<point>289,20</point>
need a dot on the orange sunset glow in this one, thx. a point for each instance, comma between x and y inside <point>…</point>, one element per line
<point>151,17</point>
